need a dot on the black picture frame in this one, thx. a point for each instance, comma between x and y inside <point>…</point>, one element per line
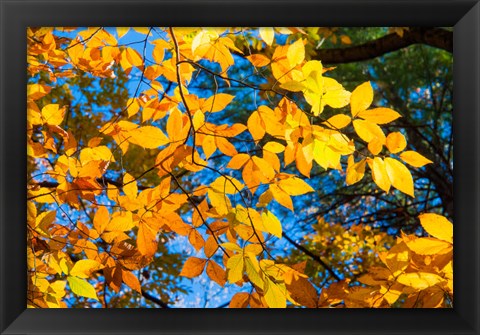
<point>16,15</point>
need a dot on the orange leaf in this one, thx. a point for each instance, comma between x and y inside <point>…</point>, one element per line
<point>193,267</point>
<point>281,196</point>
<point>147,237</point>
<point>216,273</point>
<point>217,102</point>
<point>196,239</point>
<point>258,60</point>
<point>101,219</point>
<point>131,281</point>
<point>239,300</point>
<point>211,247</point>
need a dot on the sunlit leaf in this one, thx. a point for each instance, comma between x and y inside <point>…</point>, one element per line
<point>193,267</point>
<point>437,226</point>
<point>414,158</point>
<point>148,137</point>
<point>235,266</point>
<point>399,175</point>
<point>361,98</point>
<point>267,34</point>
<point>396,142</point>
<point>82,287</point>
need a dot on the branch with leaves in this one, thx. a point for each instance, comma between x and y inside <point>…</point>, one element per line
<point>154,182</point>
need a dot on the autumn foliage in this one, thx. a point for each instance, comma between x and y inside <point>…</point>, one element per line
<point>170,164</point>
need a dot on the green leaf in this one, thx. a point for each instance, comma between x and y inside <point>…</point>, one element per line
<point>82,287</point>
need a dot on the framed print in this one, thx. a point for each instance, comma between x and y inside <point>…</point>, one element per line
<point>239,167</point>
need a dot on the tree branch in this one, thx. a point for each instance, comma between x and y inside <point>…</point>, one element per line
<point>150,297</point>
<point>434,37</point>
<point>313,256</point>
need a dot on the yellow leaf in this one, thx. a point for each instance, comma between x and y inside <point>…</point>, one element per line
<point>361,98</point>
<point>147,137</point>
<point>379,174</point>
<point>414,158</point>
<point>130,186</point>
<point>375,146</point>
<point>267,34</point>
<point>121,221</point>
<point>85,267</point>
<point>335,95</point>
<point>368,131</point>
<point>216,273</point>
<point>217,102</point>
<point>355,171</point>
<point>231,247</point>
<point>296,53</point>
<point>400,176</point>
<point>272,224</point>
<point>275,294</point>
<point>142,30</point>
<point>97,153</point>
<point>437,226</point>
<point>219,201</point>
<point>175,125</point>
<point>31,214</point>
<point>193,267</point>
<point>134,57</point>
<point>82,287</point>
<point>132,106</point>
<point>396,142</point>
<point>390,292</point>
<point>295,186</point>
<point>281,196</point>
<point>264,168</point>
<point>158,52</point>
<point>227,185</point>
<point>255,128</point>
<point>45,219</point>
<point>209,146</point>
<point>198,120</point>
<point>52,114</point>
<point>429,246</point>
<point>293,86</point>
<point>252,268</point>
<point>255,249</point>
<point>419,280</point>
<point>379,115</point>
<point>37,91</point>
<point>397,258</point>
<point>274,147</point>
<point>338,121</point>
<point>121,31</point>
<point>235,266</point>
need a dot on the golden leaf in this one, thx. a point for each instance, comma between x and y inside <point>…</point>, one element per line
<point>193,267</point>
